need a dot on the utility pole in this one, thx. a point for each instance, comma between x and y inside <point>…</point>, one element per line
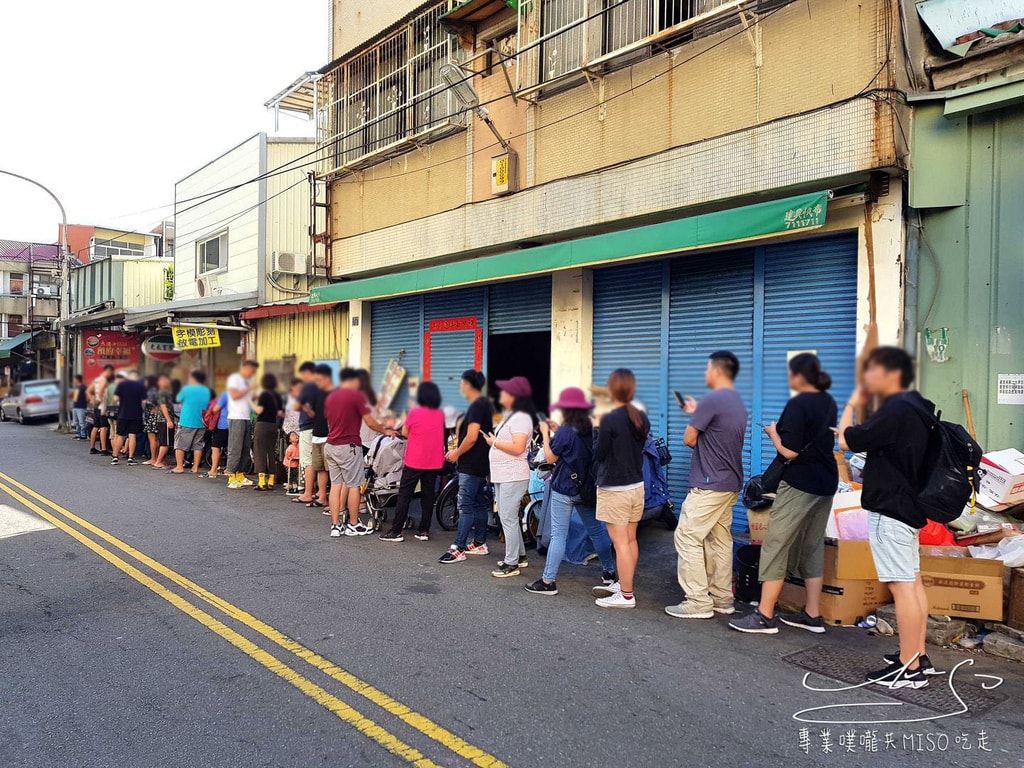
<point>65,305</point>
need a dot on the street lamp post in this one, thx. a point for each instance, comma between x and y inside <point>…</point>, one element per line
<point>65,298</point>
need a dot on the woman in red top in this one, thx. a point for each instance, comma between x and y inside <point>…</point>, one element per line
<point>424,458</point>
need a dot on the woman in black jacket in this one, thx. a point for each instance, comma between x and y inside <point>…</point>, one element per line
<point>619,460</point>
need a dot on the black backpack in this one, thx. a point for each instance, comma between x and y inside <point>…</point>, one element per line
<point>954,457</point>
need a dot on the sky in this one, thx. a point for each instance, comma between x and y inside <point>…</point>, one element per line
<point>110,102</point>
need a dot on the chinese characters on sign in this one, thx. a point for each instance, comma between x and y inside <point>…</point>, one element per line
<point>196,338</point>
<point>827,742</point>
<point>1011,389</point>
<point>101,348</point>
<point>804,218</point>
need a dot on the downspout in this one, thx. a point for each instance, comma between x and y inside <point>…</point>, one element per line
<point>912,282</point>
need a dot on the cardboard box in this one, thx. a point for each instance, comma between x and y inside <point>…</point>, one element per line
<point>757,524</point>
<point>844,599</point>
<point>1002,476</point>
<point>962,586</point>
<point>1015,605</point>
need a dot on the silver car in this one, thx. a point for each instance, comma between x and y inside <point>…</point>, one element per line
<point>29,400</point>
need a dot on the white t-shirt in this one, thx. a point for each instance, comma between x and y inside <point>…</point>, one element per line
<point>242,407</point>
<point>506,468</point>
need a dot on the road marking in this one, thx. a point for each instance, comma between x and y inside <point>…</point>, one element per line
<point>394,707</point>
<point>14,522</point>
<point>348,714</point>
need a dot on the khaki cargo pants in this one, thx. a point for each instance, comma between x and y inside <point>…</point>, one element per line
<point>704,545</point>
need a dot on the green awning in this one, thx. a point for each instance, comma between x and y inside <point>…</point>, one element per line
<point>13,343</point>
<point>793,214</point>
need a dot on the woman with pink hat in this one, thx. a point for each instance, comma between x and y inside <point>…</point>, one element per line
<point>510,469</point>
<point>570,448</point>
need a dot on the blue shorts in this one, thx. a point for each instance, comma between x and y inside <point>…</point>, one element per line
<point>895,547</point>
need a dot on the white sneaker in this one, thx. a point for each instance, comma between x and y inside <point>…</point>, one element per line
<point>335,531</point>
<point>686,610</point>
<point>726,609</point>
<point>246,482</point>
<point>235,486</point>
<point>607,590</point>
<point>360,529</point>
<point>615,601</point>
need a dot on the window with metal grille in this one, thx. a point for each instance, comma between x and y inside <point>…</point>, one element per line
<point>575,32</point>
<point>390,92</point>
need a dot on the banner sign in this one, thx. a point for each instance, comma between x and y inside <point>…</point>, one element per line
<point>160,348</point>
<point>196,338</point>
<point>115,348</point>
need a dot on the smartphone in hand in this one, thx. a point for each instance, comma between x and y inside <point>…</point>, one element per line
<point>679,399</point>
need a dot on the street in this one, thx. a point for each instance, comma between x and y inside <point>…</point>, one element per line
<point>167,621</point>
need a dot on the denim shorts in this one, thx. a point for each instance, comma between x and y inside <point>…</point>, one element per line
<point>895,548</point>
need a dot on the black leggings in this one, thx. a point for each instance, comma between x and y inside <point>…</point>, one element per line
<point>427,479</point>
<point>264,448</point>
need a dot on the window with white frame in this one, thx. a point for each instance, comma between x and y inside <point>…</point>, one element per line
<point>576,32</point>
<point>16,284</point>
<point>390,92</point>
<point>212,254</point>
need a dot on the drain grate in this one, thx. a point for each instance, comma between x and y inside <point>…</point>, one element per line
<point>849,667</point>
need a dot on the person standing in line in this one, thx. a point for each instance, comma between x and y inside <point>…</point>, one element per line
<point>703,536</point>
<point>897,441</point>
<point>570,448</point>
<point>165,420</point>
<point>366,387</point>
<point>619,465</point>
<point>510,468</point>
<point>130,396</point>
<point>194,398</point>
<point>218,436</point>
<point>308,394</point>
<point>149,420</point>
<point>345,410</point>
<point>290,417</point>
<point>241,392</point>
<point>264,441</point>
<point>79,398</point>
<point>323,377</point>
<point>473,464</point>
<point>110,408</point>
<point>424,459</point>
<point>97,399</point>
<point>795,541</point>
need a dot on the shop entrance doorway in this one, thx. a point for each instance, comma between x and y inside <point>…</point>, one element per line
<point>522,354</point>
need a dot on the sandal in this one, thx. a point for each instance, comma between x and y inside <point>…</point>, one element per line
<point>314,504</point>
<point>300,500</point>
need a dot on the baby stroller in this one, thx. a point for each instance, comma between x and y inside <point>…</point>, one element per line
<point>384,464</point>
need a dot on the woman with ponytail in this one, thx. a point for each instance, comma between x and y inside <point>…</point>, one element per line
<point>619,471</point>
<point>795,542</point>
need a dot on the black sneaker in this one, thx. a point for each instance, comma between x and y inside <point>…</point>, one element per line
<point>114,461</point>
<point>131,462</point>
<point>754,623</point>
<point>94,452</point>
<point>541,587</point>
<point>927,668</point>
<point>895,677</point>
<point>609,577</point>
<point>801,620</point>
<point>391,536</point>
<point>505,570</point>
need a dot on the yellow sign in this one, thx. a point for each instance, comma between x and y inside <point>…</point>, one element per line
<point>196,338</point>
<point>501,171</point>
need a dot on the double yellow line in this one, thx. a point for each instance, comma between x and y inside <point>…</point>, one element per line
<point>29,498</point>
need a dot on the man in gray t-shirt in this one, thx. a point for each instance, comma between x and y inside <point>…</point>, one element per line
<point>704,535</point>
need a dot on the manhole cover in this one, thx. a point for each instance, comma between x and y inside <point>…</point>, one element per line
<point>849,667</point>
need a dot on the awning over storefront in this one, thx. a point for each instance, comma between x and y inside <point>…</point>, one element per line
<point>793,214</point>
<point>7,347</point>
<point>194,310</point>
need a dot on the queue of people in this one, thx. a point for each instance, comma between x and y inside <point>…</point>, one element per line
<point>596,471</point>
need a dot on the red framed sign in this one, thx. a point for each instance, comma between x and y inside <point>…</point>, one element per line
<point>448,325</point>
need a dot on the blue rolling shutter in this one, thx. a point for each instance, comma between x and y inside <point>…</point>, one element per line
<point>522,306</point>
<point>810,303</point>
<point>396,327</point>
<point>711,308</point>
<point>627,328</point>
<point>452,352</point>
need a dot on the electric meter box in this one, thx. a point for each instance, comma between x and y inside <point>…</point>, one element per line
<point>504,174</point>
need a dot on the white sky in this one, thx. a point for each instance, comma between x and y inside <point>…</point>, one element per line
<point>109,102</point>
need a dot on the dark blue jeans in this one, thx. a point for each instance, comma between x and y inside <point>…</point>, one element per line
<point>474,507</point>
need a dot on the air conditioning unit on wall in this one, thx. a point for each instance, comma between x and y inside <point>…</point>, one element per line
<point>208,286</point>
<point>291,263</point>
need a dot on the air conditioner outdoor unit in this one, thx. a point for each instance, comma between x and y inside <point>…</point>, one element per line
<point>208,286</point>
<point>291,263</point>
<point>42,292</point>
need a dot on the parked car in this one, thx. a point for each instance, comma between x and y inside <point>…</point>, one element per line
<point>29,400</point>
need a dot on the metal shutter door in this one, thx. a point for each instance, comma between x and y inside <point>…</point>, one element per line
<point>810,303</point>
<point>522,306</point>
<point>396,327</point>
<point>711,308</point>
<point>627,328</point>
<point>452,352</point>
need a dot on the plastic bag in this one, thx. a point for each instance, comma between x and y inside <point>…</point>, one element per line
<point>937,535</point>
<point>1010,550</point>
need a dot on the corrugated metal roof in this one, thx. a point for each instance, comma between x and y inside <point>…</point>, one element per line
<point>19,250</point>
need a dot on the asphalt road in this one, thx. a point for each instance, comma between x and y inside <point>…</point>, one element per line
<point>185,659</point>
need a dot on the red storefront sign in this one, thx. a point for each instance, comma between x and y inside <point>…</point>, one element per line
<point>448,325</point>
<point>100,348</point>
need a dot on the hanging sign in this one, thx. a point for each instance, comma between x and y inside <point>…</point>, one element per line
<point>160,348</point>
<point>101,348</point>
<point>203,337</point>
